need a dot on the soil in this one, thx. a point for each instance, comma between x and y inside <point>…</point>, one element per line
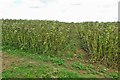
<point>9,60</point>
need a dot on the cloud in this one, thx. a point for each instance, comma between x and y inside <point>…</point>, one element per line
<point>35,4</point>
<point>17,2</point>
<point>46,1</point>
<point>62,10</point>
<point>76,4</point>
<point>35,7</point>
<point>107,6</point>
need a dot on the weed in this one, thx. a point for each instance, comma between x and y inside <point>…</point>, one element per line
<point>78,66</point>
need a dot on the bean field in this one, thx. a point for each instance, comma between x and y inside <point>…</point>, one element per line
<point>98,39</point>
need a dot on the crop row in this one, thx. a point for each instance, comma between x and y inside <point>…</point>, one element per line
<point>99,40</point>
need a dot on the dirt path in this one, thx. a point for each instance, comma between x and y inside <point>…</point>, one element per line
<point>9,60</point>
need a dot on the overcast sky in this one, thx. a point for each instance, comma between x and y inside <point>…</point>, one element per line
<point>61,10</point>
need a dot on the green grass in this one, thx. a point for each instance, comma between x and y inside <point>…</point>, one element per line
<point>78,66</point>
<point>49,66</point>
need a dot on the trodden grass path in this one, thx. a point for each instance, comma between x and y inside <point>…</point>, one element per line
<point>20,64</point>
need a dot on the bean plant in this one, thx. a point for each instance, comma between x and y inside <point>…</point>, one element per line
<point>99,40</point>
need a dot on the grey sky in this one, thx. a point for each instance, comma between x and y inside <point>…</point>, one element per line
<point>62,10</point>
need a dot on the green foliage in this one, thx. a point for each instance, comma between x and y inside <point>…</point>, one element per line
<point>92,71</point>
<point>78,65</point>
<point>57,61</point>
<point>99,40</point>
<point>64,73</point>
<point>69,54</point>
<point>37,36</point>
<point>43,66</point>
<point>90,66</point>
<point>103,70</point>
<point>113,75</point>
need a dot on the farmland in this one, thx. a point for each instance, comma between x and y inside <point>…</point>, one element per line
<point>92,43</point>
